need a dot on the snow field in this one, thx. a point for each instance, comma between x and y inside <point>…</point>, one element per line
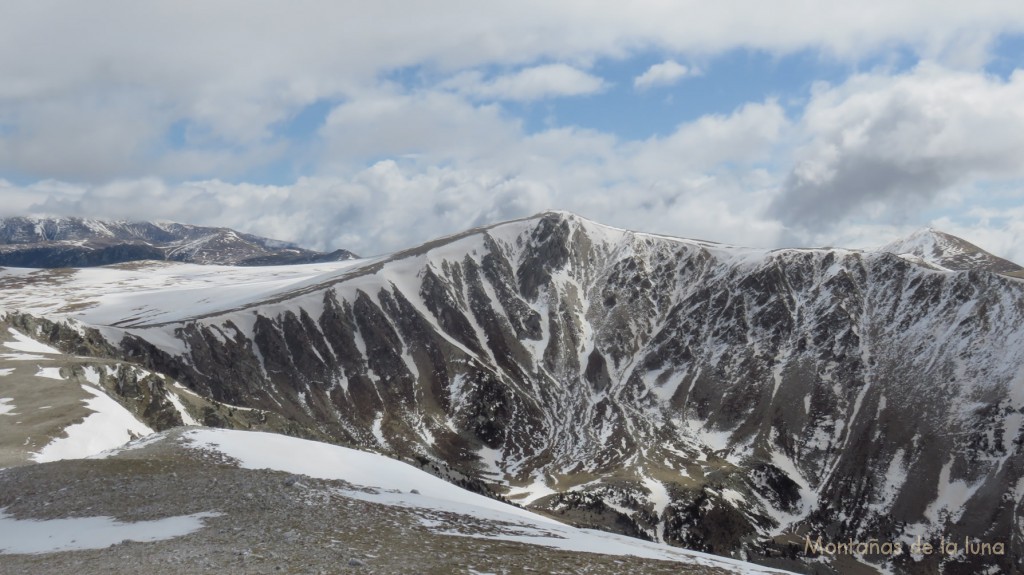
<point>73,534</point>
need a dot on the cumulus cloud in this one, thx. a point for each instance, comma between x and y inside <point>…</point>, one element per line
<point>879,141</point>
<point>665,74</point>
<point>432,125</point>
<point>399,161</point>
<point>476,167</point>
<point>382,208</point>
<point>529,84</point>
<point>748,136</point>
<point>388,207</point>
<point>238,70</point>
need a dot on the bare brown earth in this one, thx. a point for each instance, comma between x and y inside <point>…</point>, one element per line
<point>42,407</point>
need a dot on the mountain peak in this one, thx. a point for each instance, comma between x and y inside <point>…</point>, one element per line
<point>949,252</point>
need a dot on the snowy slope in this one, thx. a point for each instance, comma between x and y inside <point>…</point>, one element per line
<point>109,425</point>
<point>55,408</point>
<point>152,291</point>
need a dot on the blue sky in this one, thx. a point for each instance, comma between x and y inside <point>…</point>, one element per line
<point>376,127</point>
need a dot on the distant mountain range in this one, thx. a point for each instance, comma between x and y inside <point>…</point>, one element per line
<point>724,399</point>
<point>83,242</point>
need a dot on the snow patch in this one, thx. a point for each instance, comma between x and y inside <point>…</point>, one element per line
<point>259,450</point>
<point>22,357</point>
<point>378,432</point>
<point>951,498</point>
<point>714,439</point>
<point>92,375</point>
<point>110,426</point>
<point>668,384</point>
<point>733,496</point>
<point>528,494</point>
<point>130,446</point>
<point>186,418</point>
<point>895,477</point>
<point>180,387</point>
<point>808,497</point>
<point>491,460</point>
<point>27,344</point>
<point>50,373</point>
<point>659,500</point>
<point>1011,428</point>
<point>51,535</point>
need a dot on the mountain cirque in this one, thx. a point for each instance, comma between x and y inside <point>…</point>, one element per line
<point>724,399</point>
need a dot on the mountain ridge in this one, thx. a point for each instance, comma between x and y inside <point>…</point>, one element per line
<point>84,242</point>
<point>725,399</point>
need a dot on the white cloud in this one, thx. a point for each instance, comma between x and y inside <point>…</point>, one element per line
<point>748,136</point>
<point>394,164</point>
<point>89,90</point>
<point>469,165</point>
<point>894,143</point>
<point>434,126</point>
<point>665,74</point>
<point>537,83</point>
<point>389,206</point>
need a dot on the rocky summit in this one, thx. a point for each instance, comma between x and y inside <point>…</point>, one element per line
<point>788,407</point>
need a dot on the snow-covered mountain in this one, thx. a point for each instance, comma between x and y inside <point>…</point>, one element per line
<point>79,242</point>
<point>725,399</point>
<point>120,497</point>
<point>948,252</point>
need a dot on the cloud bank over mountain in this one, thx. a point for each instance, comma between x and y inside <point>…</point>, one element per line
<point>376,127</point>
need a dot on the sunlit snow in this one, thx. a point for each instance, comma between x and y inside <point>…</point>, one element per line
<point>50,373</point>
<point>26,344</point>
<point>110,426</point>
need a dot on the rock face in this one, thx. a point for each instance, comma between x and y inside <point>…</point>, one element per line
<point>729,400</point>
<point>81,242</point>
